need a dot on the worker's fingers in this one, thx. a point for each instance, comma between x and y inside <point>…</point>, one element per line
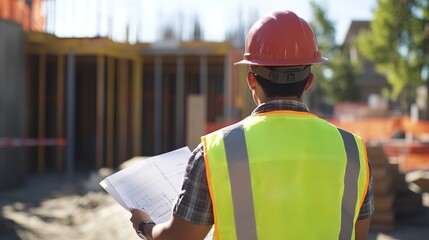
<point>137,216</point>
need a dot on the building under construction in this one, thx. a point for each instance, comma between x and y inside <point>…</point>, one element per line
<point>86,103</point>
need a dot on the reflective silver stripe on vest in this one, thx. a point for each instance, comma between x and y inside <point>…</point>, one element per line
<point>350,185</point>
<point>241,188</point>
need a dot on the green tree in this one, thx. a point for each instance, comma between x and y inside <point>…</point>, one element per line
<point>398,44</point>
<point>335,79</point>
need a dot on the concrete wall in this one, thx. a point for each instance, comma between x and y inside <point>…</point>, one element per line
<point>12,103</point>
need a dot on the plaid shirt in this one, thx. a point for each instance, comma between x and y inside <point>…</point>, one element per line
<point>194,204</point>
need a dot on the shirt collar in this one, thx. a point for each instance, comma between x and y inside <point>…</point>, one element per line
<point>275,105</point>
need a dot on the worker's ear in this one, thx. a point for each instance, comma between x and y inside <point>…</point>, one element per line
<point>310,82</point>
<point>251,80</point>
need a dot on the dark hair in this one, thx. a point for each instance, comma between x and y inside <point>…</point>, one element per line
<point>272,89</point>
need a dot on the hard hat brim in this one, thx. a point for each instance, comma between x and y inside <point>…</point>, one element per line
<point>283,63</point>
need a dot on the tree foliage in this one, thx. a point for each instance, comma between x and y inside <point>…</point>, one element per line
<point>398,42</point>
<point>337,77</point>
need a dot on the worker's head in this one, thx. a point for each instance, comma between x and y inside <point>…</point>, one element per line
<point>280,49</point>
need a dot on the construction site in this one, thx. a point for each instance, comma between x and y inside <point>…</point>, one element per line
<point>77,107</point>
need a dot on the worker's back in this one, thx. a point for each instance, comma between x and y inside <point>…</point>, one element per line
<point>297,167</point>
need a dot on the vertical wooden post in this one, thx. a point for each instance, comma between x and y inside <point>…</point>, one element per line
<point>100,113</point>
<point>203,85</point>
<point>122,115</point>
<point>158,104</point>
<point>42,112</point>
<point>227,98</point>
<point>110,112</point>
<point>71,85</point>
<point>137,106</point>
<point>203,76</point>
<point>180,102</point>
<point>60,111</point>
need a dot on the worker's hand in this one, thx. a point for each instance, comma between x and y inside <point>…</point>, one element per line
<point>137,217</point>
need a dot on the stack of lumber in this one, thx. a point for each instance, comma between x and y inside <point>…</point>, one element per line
<point>392,195</point>
<point>384,178</point>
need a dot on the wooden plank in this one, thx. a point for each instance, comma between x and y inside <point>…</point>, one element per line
<point>384,184</point>
<point>158,105</point>
<point>122,112</point>
<point>100,112</point>
<point>384,202</point>
<point>137,107</point>
<point>110,121</point>
<point>376,156</point>
<point>41,157</point>
<point>180,102</point>
<point>60,110</point>
<point>385,217</point>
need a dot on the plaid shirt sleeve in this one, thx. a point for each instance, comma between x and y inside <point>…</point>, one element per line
<point>193,203</point>
<point>367,207</point>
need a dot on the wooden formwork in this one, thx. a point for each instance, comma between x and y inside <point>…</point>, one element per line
<point>128,100</point>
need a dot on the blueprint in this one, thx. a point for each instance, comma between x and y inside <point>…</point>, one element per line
<point>151,184</point>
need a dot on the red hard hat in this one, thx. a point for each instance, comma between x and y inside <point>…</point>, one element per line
<point>281,39</point>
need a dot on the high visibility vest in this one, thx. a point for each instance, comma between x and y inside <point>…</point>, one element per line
<point>285,175</point>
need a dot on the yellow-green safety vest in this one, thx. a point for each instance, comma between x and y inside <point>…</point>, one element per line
<point>285,175</point>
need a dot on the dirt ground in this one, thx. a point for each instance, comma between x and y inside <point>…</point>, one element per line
<point>54,207</point>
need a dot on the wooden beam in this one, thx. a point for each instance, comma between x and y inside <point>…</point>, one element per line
<point>137,106</point>
<point>42,113</point>
<point>60,111</point>
<point>122,113</point>
<point>100,122</point>
<point>110,112</point>
<point>180,102</point>
<point>227,89</point>
<point>158,105</point>
<point>204,83</point>
<point>70,113</point>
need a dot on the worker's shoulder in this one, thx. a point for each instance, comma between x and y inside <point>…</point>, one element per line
<point>340,129</point>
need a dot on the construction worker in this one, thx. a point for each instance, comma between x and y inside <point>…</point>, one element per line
<point>282,172</point>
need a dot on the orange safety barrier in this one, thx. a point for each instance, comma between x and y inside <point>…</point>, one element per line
<point>417,128</point>
<point>371,129</point>
<point>410,156</point>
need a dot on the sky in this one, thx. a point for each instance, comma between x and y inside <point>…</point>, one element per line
<point>144,18</point>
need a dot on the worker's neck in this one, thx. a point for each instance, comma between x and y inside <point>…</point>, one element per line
<point>267,99</point>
